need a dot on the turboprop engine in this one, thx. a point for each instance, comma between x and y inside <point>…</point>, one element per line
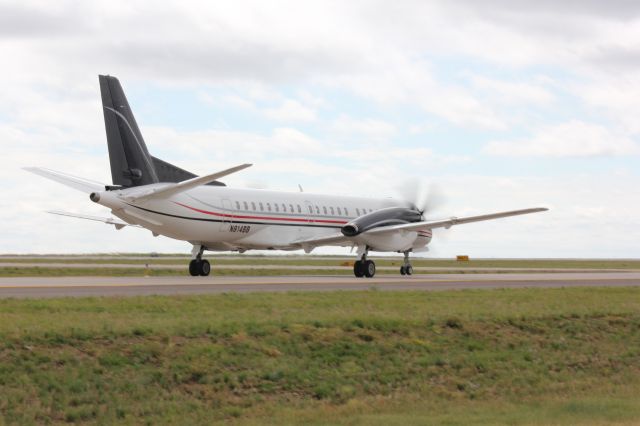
<point>383,217</point>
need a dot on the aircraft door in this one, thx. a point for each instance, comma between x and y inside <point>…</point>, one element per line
<point>227,220</point>
<point>308,210</point>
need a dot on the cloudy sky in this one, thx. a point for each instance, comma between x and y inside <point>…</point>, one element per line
<point>501,104</point>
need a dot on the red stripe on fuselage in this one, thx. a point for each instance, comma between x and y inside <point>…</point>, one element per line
<point>287,219</point>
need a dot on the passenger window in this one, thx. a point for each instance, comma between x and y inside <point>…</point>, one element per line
<point>276,207</point>
<point>299,209</point>
<point>346,212</point>
<point>291,207</point>
<point>324,209</point>
<point>332,211</point>
<point>253,206</point>
<point>310,209</point>
<point>284,208</point>
<point>339,211</point>
<point>246,206</point>
<point>317,210</point>
<point>261,208</point>
<point>268,207</point>
<point>357,211</point>
<point>237,205</point>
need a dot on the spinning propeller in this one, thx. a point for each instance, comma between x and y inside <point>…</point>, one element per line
<point>423,197</point>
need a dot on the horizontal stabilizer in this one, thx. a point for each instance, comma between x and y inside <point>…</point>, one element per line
<point>119,224</point>
<point>169,190</point>
<point>81,184</point>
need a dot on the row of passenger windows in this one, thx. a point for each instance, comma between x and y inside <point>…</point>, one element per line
<point>291,208</point>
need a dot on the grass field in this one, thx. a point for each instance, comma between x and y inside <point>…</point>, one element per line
<point>219,271</point>
<point>281,265</point>
<point>295,260</point>
<point>138,272</point>
<point>530,356</point>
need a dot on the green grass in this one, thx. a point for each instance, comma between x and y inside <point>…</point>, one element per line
<point>340,261</point>
<point>219,263</point>
<point>138,272</point>
<point>530,356</point>
<point>36,271</point>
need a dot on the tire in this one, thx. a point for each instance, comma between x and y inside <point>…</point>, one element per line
<point>408,270</point>
<point>205,268</point>
<point>369,269</point>
<point>194,268</point>
<point>402,271</point>
<point>358,269</point>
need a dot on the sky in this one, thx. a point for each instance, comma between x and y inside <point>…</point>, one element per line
<point>498,104</point>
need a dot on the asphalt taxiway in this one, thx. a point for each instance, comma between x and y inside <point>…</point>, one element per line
<point>35,287</point>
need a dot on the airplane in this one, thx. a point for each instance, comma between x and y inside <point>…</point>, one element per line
<point>150,193</point>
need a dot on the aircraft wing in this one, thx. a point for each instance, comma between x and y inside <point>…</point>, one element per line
<point>75,182</point>
<point>448,223</point>
<point>329,240</point>
<point>119,224</point>
<point>169,190</point>
<point>339,239</point>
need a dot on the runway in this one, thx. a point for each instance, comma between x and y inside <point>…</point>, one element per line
<point>38,287</point>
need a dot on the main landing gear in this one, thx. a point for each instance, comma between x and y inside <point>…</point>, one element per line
<point>199,266</point>
<point>406,268</point>
<point>364,267</point>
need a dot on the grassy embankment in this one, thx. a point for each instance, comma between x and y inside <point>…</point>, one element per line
<point>546,356</point>
<point>219,263</point>
<point>138,272</point>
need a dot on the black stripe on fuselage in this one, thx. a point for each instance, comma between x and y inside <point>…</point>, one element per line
<point>202,219</point>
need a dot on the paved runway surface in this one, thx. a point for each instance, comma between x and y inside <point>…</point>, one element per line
<point>136,286</point>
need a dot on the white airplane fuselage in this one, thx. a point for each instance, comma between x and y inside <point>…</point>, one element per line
<point>223,218</point>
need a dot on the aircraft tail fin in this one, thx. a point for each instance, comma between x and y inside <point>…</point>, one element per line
<point>131,163</point>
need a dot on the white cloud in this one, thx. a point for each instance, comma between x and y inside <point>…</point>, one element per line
<point>368,129</point>
<point>511,93</point>
<point>457,70</point>
<point>585,216</point>
<point>216,148</point>
<point>572,139</point>
<point>291,110</point>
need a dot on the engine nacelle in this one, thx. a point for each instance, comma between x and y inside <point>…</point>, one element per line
<point>383,217</point>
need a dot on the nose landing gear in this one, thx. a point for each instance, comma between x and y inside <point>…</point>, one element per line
<point>406,268</point>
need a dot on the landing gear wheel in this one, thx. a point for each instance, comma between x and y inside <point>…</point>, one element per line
<point>194,268</point>
<point>369,268</point>
<point>205,268</point>
<point>358,269</point>
<point>406,269</point>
